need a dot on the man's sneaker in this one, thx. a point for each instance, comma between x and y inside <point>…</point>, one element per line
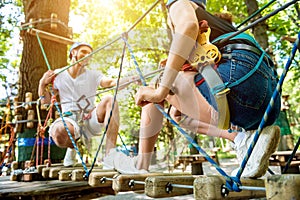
<point>108,161</point>
<point>70,157</point>
<point>127,165</point>
<point>258,163</point>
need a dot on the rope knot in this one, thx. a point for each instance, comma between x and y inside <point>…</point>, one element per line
<point>53,99</point>
<point>233,184</point>
<point>41,131</point>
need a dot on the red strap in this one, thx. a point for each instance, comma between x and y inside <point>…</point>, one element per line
<point>188,67</point>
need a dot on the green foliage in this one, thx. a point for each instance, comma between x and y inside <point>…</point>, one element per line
<point>102,22</point>
<point>105,21</point>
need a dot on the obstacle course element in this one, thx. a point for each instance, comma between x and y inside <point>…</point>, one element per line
<point>280,158</point>
<point>99,179</point>
<point>195,160</point>
<point>169,186</point>
<point>209,188</point>
<point>279,187</point>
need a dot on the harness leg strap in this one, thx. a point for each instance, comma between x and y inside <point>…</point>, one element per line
<point>219,91</point>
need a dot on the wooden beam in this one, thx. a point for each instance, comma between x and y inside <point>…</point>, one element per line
<point>286,186</point>
<point>209,188</point>
<point>50,36</point>
<point>156,186</point>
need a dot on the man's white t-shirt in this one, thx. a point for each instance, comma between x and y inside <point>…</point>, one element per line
<point>71,89</point>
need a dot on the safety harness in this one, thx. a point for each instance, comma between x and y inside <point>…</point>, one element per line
<point>206,55</point>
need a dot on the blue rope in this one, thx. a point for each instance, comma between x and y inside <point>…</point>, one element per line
<point>269,108</point>
<point>234,183</point>
<point>294,50</point>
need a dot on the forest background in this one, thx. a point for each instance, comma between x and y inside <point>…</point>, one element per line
<point>101,22</point>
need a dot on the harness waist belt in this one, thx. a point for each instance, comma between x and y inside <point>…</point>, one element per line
<point>230,47</point>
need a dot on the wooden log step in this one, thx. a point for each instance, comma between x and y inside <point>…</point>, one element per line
<point>26,177</point>
<point>41,167</point>
<point>14,165</point>
<point>209,188</point>
<point>31,176</point>
<point>75,174</point>
<point>98,179</point>
<point>162,186</point>
<point>286,186</point>
<point>78,174</point>
<point>132,182</point>
<point>52,172</point>
<point>65,174</point>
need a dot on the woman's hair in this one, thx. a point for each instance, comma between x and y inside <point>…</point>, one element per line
<point>225,16</point>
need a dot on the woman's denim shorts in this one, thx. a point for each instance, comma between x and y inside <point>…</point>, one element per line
<point>248,100</point>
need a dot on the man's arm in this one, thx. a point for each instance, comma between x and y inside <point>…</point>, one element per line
<point>43,91</point>
<point>124,82</point>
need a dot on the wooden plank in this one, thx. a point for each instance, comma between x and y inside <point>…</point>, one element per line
<point>279,187</point>
<point>130,182</point>
<point>51,36</point>
<point>156,187</point>
<point>98,179</point>
<point>209,188</point>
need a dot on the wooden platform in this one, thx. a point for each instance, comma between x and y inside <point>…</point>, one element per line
<point>280,158</point>
<point>50,190</point>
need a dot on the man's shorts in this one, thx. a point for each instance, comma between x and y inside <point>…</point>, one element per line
<point>91,127</point>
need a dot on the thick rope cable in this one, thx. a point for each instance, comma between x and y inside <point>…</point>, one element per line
<point>95,51</point>
<point>42,129</point>
<point>187,136</point>
<point>255,13</point>
<point>42,49</point>
<point>269,108</point>
<point>110,114</point>
<point>257,21</point>
<point>10,142</point>
<point>116,39</point>
<point>294,50</point>
<point>29,25</point>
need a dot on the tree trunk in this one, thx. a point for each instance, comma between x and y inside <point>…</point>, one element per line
<point>259,30</point>
<point>33,64</point>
